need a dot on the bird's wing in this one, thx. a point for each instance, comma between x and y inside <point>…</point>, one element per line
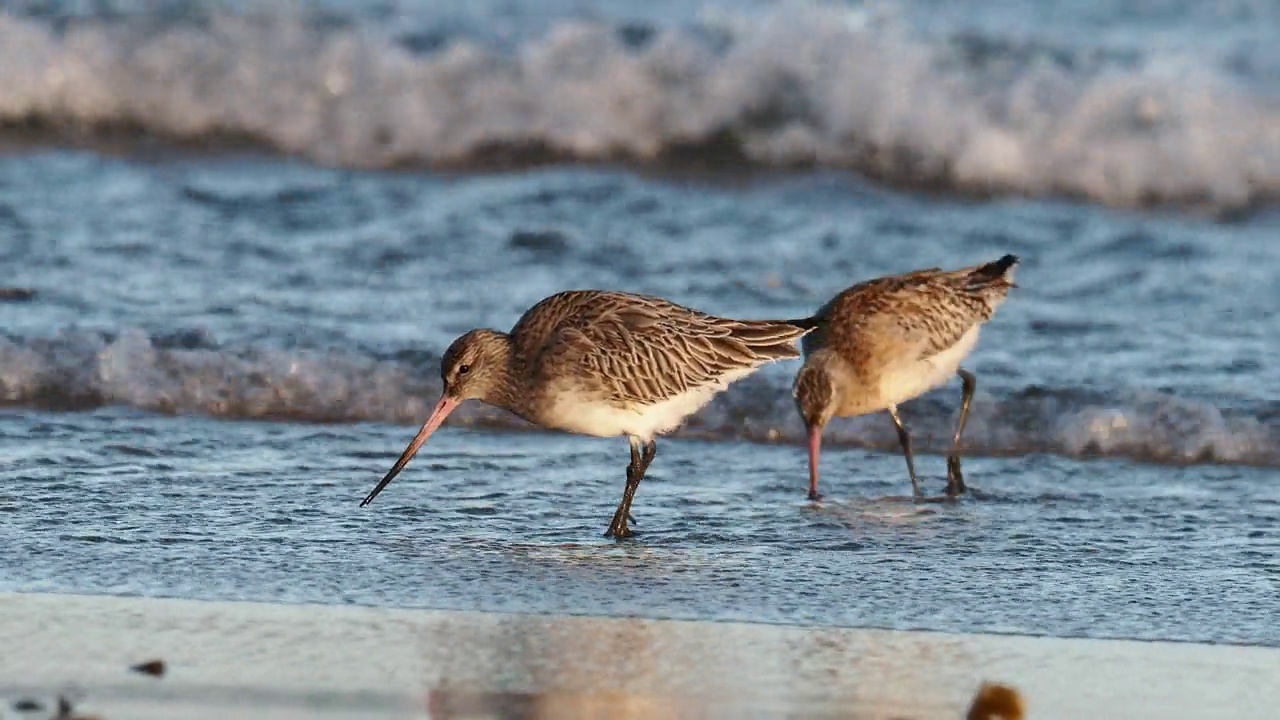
<point>919,314</point>
<point>640,349</point>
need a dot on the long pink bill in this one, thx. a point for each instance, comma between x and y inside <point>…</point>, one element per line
<point>441,411</point>
<point>815,443</point>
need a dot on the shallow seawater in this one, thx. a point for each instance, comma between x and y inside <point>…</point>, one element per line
<point>249,287</point>
<point>120,503</point>
<point>226,349</point>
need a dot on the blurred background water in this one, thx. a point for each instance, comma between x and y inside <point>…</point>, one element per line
<point>252,228</point>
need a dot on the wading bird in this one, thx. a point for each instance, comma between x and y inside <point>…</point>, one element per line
<point>888,340</point>
<point>605,364</point>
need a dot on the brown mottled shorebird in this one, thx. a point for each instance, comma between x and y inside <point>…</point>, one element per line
<point>888,340</point>
<point>604,363</point>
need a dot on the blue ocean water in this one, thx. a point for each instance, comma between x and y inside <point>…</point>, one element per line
<point>252,229</point>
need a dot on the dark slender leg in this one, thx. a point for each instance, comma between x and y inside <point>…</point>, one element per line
<point>905,439</point>
<point>618,525</point>
<point>641,455</point>
<point>955,478</point>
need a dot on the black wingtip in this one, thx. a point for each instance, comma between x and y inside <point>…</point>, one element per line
<point>1006,262</point>
<point>994,271</point>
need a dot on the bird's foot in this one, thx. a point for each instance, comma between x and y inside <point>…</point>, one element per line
<point>815,496</point>
<point>618,525</point>
<point>955,478</point>
<point>632,519</point>
<point>619,533</point>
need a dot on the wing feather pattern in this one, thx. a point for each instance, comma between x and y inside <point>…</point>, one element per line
<point>925,310</point>
<point>631,349</point>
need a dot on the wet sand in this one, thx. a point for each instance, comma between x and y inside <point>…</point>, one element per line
<point>233,660</point>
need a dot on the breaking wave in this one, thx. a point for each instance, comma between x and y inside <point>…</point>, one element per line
<point>189,373</point>
<point>808,84</point>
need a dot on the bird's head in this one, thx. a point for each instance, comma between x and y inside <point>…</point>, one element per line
<point>815,395</point>
<point>474,367</point>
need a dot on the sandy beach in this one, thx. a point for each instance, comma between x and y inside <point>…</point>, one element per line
<point>233,660</point>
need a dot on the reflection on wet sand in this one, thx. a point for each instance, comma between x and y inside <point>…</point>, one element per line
<point>991,702</point>
<point>242,660</point>
<point>446,704</point>
<point>630,668</point>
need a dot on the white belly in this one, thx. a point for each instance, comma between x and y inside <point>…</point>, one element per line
<point>573,414</point>
<point>908,380</point>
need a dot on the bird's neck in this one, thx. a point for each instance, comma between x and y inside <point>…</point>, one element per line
<point>507,388</point>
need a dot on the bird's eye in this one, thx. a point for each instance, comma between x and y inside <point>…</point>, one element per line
<point>464,369</point>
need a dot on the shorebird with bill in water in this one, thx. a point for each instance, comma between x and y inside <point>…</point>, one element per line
<point>888,340</point>
<point>604,363</point>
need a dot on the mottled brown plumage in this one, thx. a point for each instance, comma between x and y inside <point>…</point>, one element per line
<point>604,363</point>
<point>887,340</point>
